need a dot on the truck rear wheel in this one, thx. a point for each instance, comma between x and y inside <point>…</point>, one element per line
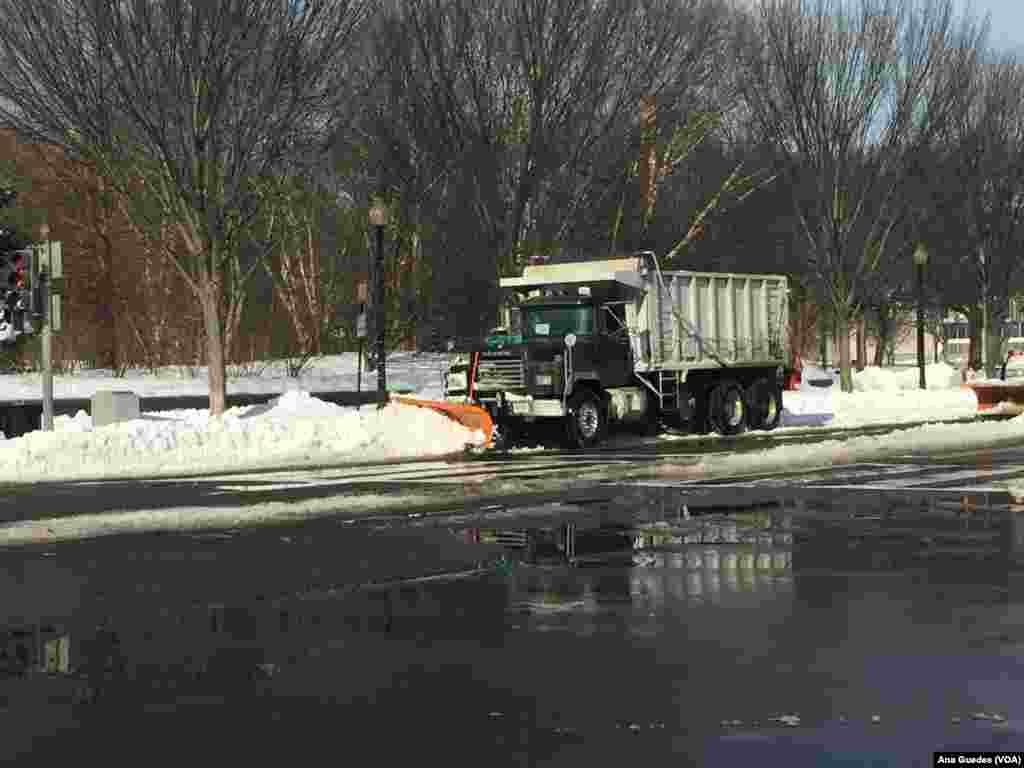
<point>586,420</point>
<point>764,405</point>
<point>727,409</point>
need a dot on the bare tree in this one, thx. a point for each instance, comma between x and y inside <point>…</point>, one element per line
<point>986,192</point>
<point>179,104</point>
<point>849,91</point>
<point>403,154</point>
<point>536,96</point>
<point>306,276</point>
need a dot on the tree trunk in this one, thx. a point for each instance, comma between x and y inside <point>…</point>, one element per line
<point>883,336</point>
<point>842,325</point>
<point>210,299</point>
<point>106,316</point>
<point>994,340</point>
<point>862,343</point>
<point>974,348</point>
<point>823,342</point>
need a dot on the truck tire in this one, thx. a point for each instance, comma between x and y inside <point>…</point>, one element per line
<point>586,420</point>
<point>764,405</point>
<point>727,410</point>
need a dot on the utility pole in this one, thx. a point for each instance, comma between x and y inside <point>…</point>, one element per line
<point>47,349</point>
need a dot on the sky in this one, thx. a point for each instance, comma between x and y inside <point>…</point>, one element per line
<point>297,430</point>
<point>1007,21</point>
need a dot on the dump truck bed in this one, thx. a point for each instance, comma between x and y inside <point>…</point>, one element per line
<point>690,320</point>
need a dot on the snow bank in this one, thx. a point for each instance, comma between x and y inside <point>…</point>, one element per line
<point>938,376</point>
<point>880,396</point>
<point>294,429</point>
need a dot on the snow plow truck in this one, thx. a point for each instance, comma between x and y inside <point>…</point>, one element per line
<point>619,341</point>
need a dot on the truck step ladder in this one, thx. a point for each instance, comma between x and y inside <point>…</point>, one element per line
<point>668,389</point>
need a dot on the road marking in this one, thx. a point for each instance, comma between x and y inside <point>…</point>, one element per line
<point>878,477</point>
<point>925,478</point>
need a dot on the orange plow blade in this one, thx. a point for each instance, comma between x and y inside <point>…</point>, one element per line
<point>470,416</point>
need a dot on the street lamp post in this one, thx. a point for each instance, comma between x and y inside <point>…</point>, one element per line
<point>46,333</point>
<point>920,259</point>
<point>378,218</point>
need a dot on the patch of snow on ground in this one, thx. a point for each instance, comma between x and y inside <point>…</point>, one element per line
<point>297,429</point>
<point>406,371</point>
<point>922,439</point>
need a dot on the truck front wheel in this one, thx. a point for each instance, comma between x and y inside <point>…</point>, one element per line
<point>727,409</point>
<point>586,420</point>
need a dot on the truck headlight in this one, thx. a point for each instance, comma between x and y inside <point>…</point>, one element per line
<point>544,380</point>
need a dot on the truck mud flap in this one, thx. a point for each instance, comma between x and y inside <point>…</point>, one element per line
<point>470,416</point>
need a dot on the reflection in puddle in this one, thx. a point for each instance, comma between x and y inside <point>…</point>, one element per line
<point>551,571</point>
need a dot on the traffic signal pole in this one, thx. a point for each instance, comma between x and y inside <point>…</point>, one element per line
<point>47,350</point>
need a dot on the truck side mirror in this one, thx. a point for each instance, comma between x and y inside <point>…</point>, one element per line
<point>570,340</point>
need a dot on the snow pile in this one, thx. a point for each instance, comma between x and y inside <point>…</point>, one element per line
<point>880,396</point>
<point>294,429</point>
<point>938,376</point>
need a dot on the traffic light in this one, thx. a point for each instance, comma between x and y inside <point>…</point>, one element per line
<point>15,288</point>
<point>19,270</point>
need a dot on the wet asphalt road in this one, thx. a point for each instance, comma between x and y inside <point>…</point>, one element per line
<point>677,639</point>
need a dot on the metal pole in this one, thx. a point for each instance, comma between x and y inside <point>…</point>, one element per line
<point>382,386</point>
<point>920,325</point>
<point>359,369</point>
<point>47,350</point>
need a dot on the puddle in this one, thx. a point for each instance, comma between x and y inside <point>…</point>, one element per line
<point>587,626</point>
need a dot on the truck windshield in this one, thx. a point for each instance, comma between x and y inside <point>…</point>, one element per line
<point>558,321</point>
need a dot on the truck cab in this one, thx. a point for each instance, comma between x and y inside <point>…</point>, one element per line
<point>571,350</point>
<point>600,350</point>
